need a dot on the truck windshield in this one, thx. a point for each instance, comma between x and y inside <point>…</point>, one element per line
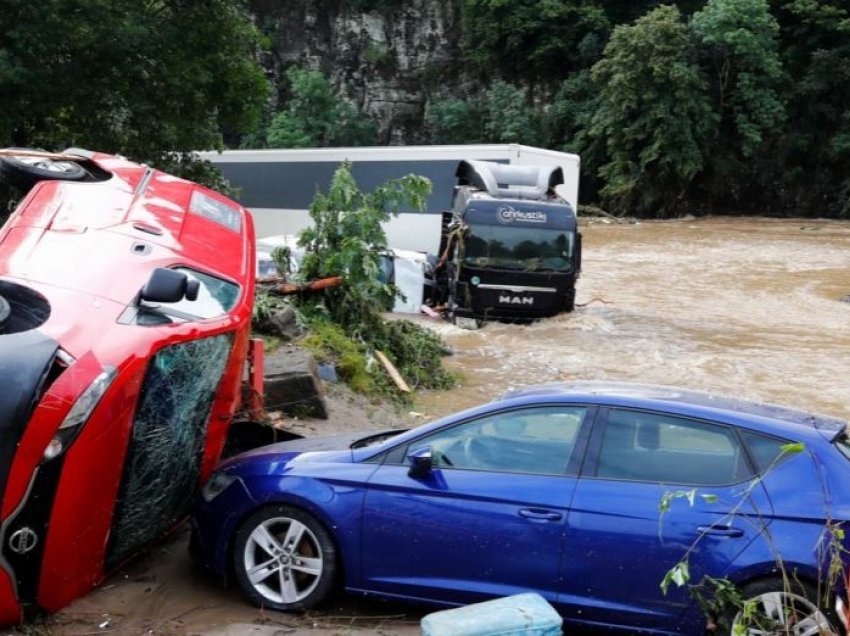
<point>531,249</point>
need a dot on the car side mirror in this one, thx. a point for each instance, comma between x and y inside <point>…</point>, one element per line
<point>421,462</point>
<point>169,286</point>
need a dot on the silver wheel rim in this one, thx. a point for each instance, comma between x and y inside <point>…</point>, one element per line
<point>283,560</point>
<point>59,167</point>
<point>783,613</point>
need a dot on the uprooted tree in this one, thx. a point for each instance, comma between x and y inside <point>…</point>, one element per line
<point>347,240</point>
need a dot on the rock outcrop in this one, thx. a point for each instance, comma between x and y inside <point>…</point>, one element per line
<point>385,56</point>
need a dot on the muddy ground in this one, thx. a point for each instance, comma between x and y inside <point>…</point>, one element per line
<point>747,307</point>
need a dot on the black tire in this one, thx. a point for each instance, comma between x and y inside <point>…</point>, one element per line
<point>570,301</point>
<point>792,603</point>
<point>24,172</point>
<point>286,585</point>
<point>5,313</point>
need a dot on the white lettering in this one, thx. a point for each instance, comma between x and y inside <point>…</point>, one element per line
<point>508,214</point>
<point>516,300</point>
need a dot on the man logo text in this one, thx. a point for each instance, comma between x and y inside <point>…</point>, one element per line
<point>516,300</point>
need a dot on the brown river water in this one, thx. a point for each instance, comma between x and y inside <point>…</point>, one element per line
<point>748,307</point>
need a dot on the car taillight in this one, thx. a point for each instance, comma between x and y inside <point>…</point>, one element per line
<point>80,413</point>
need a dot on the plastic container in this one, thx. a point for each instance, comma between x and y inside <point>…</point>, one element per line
<point>522,614</point>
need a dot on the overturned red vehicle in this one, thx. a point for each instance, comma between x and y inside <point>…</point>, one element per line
<point>125,309</point>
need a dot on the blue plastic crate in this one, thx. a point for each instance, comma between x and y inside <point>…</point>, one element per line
<point>523,614</point>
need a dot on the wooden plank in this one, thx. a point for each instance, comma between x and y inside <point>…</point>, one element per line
<point>392,371</point>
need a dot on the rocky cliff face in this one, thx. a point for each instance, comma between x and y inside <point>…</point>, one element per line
<point>386,56</point>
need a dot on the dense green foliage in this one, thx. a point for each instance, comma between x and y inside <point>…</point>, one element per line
<point>315,116</point>
<point>347,240</point>
<point>652,116</point>
<point>688,106</point>
<point>675,106</point>
<point>150,79</point>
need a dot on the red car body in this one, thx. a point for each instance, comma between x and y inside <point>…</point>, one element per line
<point>112,409</point>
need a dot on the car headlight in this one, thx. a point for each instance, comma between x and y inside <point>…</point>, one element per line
<point>80,413</point>
<point>217,484</point>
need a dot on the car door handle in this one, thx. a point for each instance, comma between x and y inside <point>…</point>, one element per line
<point>540,514</point>
<point>722,531</point>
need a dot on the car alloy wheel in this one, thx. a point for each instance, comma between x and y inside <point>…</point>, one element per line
<point>783,613</point>
<point>284,559</point>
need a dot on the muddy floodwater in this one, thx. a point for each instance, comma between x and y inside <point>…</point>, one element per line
<point>743,307</point>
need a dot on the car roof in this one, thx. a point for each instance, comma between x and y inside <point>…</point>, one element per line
<point>647,395</point>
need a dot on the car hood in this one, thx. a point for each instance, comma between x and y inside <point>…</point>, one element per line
<point>339,447</point>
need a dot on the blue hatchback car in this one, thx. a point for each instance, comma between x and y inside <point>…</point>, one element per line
<point>555,489</point>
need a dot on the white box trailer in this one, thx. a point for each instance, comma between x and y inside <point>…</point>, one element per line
<point>278,185</point>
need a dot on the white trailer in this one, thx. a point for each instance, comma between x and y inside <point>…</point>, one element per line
<point>278,185</point>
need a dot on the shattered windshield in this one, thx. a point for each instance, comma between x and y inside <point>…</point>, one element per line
<point>511,247</point>
<point>167,441</point>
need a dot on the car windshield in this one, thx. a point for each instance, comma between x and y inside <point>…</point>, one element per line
<point>376,440</point>
<point>534,249</point>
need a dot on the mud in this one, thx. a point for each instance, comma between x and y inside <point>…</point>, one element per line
<point>746,307</point>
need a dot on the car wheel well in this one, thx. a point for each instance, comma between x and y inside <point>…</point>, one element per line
<point>798,584</point>
<point>230,575</point>
<point>793,577</point>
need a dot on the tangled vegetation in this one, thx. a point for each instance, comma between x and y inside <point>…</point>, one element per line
<point>726,606</point>
<point>345,322</point>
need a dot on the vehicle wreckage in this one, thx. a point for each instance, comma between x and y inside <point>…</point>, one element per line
<point>125,311</point>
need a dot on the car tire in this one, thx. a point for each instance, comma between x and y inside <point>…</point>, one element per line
<point>284,559</point>
<point>779,606</point>
<point>5,313</point>
<point>24,172</point>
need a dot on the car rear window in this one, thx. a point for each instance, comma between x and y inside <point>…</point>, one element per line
<point>215,211</point>
<point>764,450</point>
<point>842,443</point>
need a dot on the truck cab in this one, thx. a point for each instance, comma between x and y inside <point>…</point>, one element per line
<point>510,245</point>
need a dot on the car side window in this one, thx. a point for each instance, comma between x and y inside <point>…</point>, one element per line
<point>657,448</point>
<point>764,449</point>
<point>533,441</point>
<point>216,297</point>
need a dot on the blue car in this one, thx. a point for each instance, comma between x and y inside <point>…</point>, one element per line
<point>555,489</point>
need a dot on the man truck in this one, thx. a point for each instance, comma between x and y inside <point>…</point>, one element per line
<point>510,248</point>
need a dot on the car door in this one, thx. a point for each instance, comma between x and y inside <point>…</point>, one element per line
<point>620,544</point>
<point>487,520</point>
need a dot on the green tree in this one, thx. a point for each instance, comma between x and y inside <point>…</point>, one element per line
<point>509,117</point>
<point>347,238</point>
<point>810,169</point>
<point>150,80</point>
<point>534,39</point>
<point>654,114</point>
<point>456,121</point>
<point>740,39</point>
<point>567,123</point>
<point>315,116</point>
